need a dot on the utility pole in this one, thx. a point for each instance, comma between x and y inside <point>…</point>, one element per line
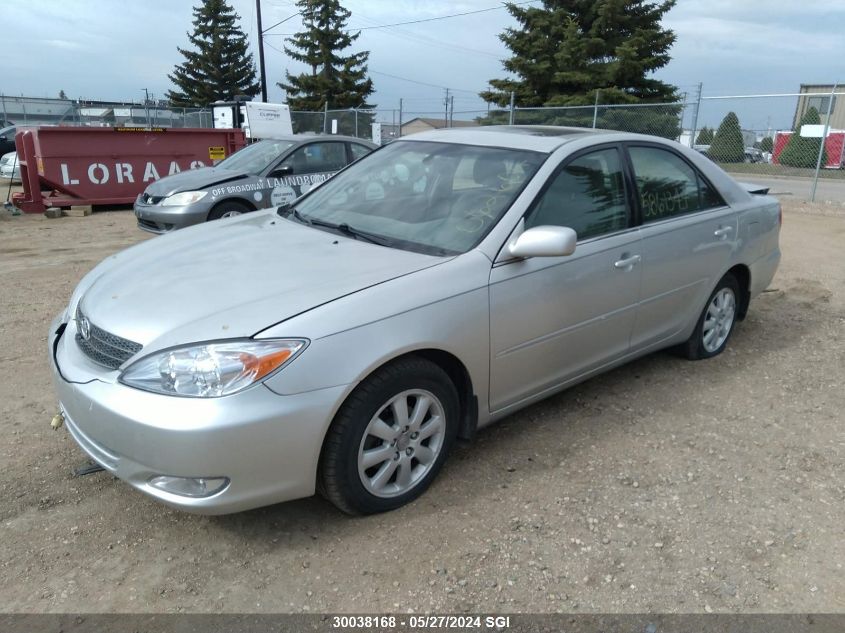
<point>446,111</point>
<point>451,110</point>
<point>263,74</point>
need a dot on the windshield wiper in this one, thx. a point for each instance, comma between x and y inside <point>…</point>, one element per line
<point>287,210</point>
<point>344,228</point>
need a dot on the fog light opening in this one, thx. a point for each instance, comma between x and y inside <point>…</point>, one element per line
<point>194,487</point>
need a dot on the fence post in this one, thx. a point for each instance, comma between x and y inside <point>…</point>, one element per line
<point>399,133</point>
<point>596,109</point>
<point>695,116</point>
<point>821,145</point>
<point>325,115</point>
<point>355,110</point>
<point>510,116</point>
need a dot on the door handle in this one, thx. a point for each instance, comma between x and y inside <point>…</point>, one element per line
<point>627,262</point>
<point>723,231</point>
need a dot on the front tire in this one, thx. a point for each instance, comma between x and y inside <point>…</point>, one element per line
<point>716,323</point>
<point>228,209</point>
<point>390,438</point>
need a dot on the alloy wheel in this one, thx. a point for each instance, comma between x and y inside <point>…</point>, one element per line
<point>718,320</point>
<point>401,443</point>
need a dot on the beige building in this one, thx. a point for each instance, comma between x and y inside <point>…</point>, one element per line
<point>421,124</point>
<point>818,96</point>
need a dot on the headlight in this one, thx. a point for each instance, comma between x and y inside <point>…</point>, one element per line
<point>181,199</point>
<point>212,369</point>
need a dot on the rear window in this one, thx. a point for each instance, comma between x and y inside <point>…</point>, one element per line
<point>668,186</point>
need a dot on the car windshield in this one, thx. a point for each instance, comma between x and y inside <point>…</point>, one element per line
<point>437,198</point>
<point>8,132</point>
<point>255,158</point>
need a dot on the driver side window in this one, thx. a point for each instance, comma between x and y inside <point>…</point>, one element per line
<point>317,157</point>
<point>587,195</point>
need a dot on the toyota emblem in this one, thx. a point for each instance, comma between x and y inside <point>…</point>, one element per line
<point>84,328</point>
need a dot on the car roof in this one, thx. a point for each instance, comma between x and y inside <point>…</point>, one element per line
<point>304,138</point>
<point>539,138</point>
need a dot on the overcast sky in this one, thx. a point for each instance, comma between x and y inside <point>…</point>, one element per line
<point>113,49</point>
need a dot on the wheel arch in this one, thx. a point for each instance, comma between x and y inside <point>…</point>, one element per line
<point>240,200</point>
<point>458,374</point>
<point>460,377</point>
<point>742,274</point>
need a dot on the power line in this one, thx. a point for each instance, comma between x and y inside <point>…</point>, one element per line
<point>413,81</point>
<point>406,34</point>
<point>440,17</point>
<point>422,83</point>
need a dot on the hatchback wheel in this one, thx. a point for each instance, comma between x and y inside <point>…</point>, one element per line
<point>390,438</point>
<point>716,322</point>
<point>228,209</point>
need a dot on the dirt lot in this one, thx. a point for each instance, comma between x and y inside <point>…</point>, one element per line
<point>663,486</point>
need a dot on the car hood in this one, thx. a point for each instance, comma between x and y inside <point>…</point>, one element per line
<point>233,278</point>
<point>193,179</point>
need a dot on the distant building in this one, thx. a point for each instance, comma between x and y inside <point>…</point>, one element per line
<point>421,124</point>
<point>818,96</point>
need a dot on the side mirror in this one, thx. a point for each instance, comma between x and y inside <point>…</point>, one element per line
<point>544,241</point>
<point>285,170</point>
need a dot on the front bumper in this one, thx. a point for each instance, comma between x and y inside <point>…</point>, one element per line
<point>266,444</point>
<point>155,218</point>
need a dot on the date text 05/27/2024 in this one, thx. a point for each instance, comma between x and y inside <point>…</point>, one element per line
<point>469,622</point>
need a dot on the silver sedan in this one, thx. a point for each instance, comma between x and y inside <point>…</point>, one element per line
<point>341,344</point>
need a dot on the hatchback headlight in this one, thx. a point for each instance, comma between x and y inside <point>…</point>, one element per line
<point>181,199</point>
<point>212,369</point>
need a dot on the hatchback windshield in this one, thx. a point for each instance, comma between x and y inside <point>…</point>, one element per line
<point>255,158</point>
<point>439,198</point>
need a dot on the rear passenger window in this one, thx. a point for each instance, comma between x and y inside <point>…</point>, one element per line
<point>358,150</point>
<point>587,195</point>
<point>668,186</point>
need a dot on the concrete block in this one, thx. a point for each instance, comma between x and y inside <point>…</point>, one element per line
<point>53,213</point>
<point>78,211</point>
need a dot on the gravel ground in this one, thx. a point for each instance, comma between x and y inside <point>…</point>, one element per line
<point>663,486</point>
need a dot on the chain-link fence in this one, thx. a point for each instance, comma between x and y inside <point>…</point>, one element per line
<point>793,139</point>
<point>797,136</point>
<point>787,141</point>
<point>45,111</point>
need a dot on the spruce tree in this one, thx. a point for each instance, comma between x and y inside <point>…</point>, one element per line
<point>802,151</point>
<point>767,144</point>
<point>565,50</point>
<point>728,146</point>
<point>705,136</point>
<point>221,67</point>
<point>334,79</point>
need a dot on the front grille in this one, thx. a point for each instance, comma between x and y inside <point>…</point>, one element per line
<point>148,199</point>
<point>102,347</point>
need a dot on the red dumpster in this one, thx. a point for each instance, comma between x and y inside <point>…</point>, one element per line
<point>66,166</point>
<point>834,148</point>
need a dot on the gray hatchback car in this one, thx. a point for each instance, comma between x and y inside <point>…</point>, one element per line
<point>267,173</point>
<point>445,281</point>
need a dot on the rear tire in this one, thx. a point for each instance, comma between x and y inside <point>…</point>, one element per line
<point>390,438</point>
<point>228,209</point>
<point>716,323</point>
